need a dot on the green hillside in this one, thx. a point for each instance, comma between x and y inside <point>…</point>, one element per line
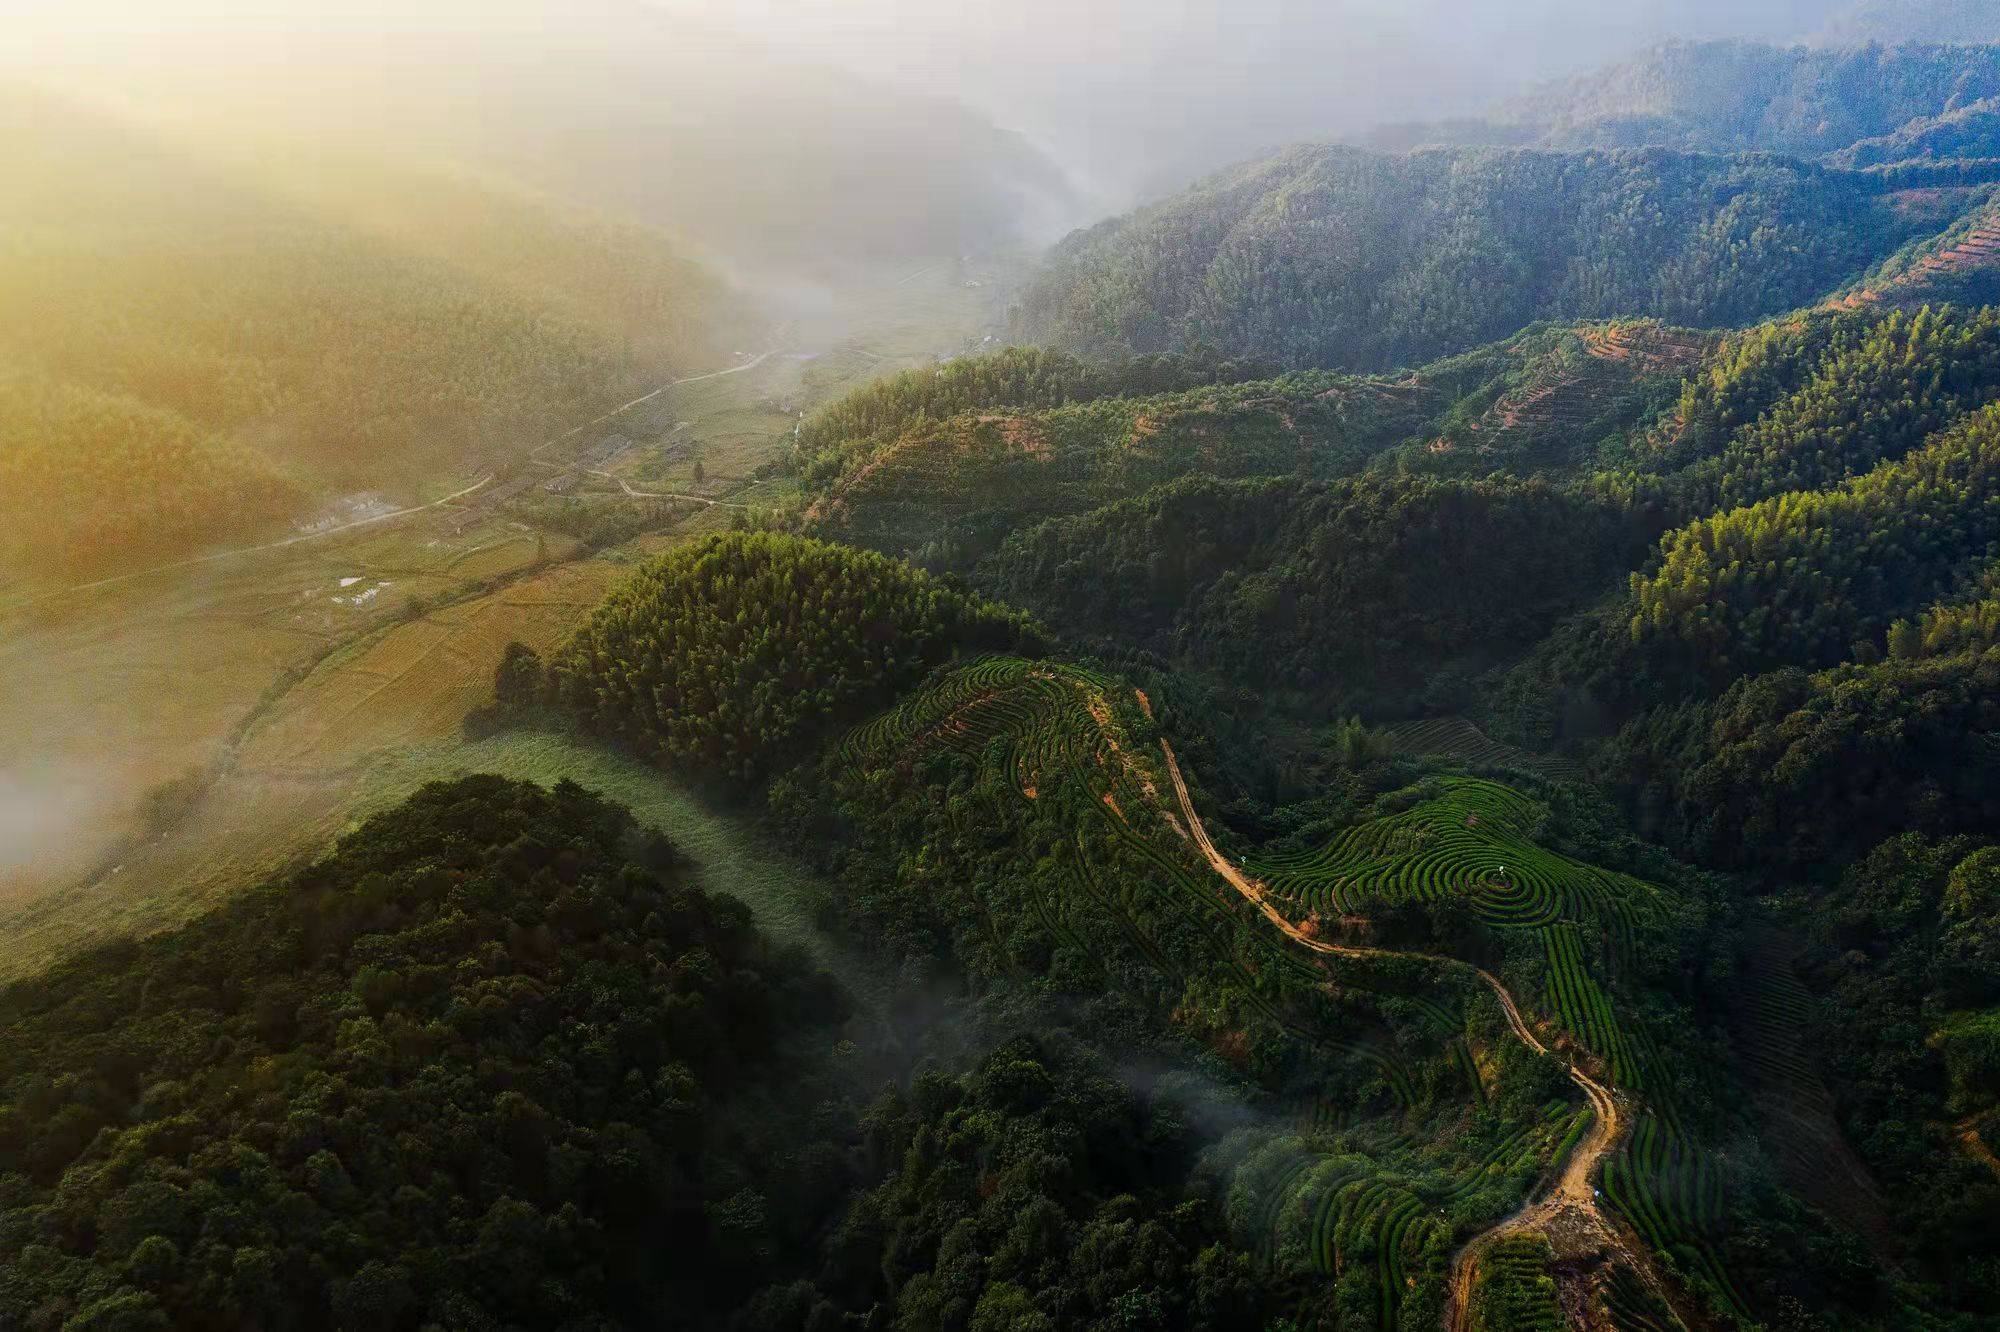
<point>1347,590</point>
<point>1856,104</point>
<point>723,655</point>
<point>1002,441</point>
<point>417,1081</point>
<point>1739,580</point>
<point>91,477</point>
<point>1425,753</point>
<point>1329,256</point>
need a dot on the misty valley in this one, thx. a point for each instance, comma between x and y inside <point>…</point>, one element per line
<point>911,668</point>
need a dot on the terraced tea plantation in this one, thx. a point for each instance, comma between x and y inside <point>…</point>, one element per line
<point>1396,1156</point>
<point>1516,1291</point>
<point>1459,741</point>
<point>1472,842</point>
<point>1671,1192</point>
<point>1011,466</point>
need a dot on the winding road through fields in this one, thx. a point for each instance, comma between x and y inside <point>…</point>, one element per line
<point>664,494</point>
<point>1570,1213</point>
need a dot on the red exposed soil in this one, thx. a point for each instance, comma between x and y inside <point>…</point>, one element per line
<point>1978,249</point>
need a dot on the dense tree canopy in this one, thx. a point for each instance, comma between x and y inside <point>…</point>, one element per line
<point>1907,950</point>
<point>474,1068</point>
<point>723,656</point>
<point>1804,405</point>
<point>1034,1191</point>
<point>1325,256</point>
<point>1801,578</point>
<point>1348,590</point>
<point>1800,770</point>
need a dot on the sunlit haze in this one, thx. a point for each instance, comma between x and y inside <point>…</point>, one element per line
<point>1000,665</point>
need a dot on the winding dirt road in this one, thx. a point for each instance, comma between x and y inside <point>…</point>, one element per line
<point>664,494</point>
<point>1570,1213</point>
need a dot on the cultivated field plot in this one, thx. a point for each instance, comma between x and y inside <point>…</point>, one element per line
<point>122,688</point>
<point>414,683</point>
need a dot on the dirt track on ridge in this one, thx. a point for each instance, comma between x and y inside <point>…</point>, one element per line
<point>1569,1213</point>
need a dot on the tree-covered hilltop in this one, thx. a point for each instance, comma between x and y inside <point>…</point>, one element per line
<point>494,1061</point>
<point>1735,96</point>
<point>726,655</point>
<point>1806,404</point>
<point>1353,591</point>
<point>1330,256</point>
<point>1803,771</point>
<point>1036,1190</point>
<point>843,435</point>
<point>476,1067</point>
<point>1801,578</point>
<point>353,324</point>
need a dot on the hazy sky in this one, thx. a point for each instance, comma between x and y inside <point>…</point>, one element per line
<point>1127,94</point>
<point>1131,87</point>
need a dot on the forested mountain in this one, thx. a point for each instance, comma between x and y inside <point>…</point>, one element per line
<point>1743,580</point>
<point>1802,578</point>
<point>1329,256</point>
<point>1859,105</point>
<point>88,477</point>
<point>1805,404</point>
<point>1428,758</point>
<point>1000,441</point>
<point>196,345</point>
<point>722,656</point>
<point>1348,590</point>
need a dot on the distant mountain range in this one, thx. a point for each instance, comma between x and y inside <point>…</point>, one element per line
<point>1700,183</point>
<point>1855,105</point>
